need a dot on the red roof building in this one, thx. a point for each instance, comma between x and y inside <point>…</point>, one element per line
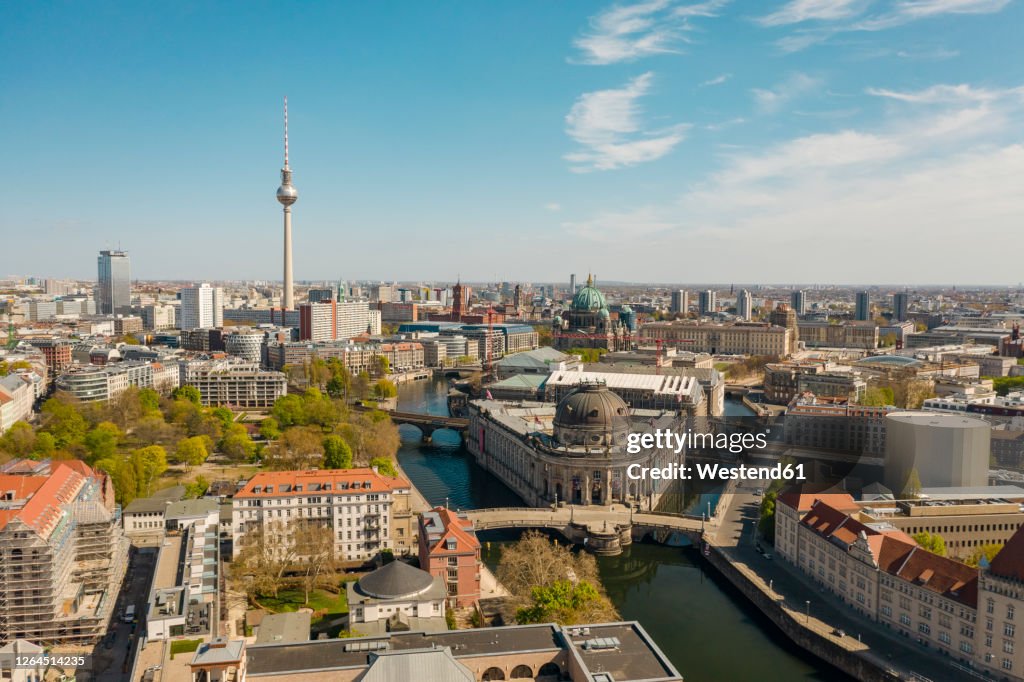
<point>450,550</point>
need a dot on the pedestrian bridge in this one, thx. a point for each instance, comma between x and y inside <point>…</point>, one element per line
<point>602,530</point>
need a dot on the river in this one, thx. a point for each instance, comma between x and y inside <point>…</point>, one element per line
<point>701,623</point>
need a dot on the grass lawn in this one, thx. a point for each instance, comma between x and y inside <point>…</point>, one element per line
<point>293,599</point>
<point>184,646</point>
<point>332,606</point>
<point>722,366</point>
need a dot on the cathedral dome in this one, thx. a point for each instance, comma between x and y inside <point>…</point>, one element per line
<point>592,415</point>
<point>589,298</point>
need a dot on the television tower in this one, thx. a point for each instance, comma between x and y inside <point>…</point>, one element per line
<point>287,195</point>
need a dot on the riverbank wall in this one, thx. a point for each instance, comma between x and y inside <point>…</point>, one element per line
<point>847,655</point>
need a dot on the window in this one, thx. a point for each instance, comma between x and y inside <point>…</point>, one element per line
<point>887,611</point>
<point>1008,629</point>
<point>924,629</point>
<point>451,544</point>
<point>966,647</point>
<point>990,607</point>
<point>1009,612</point>
<point>1007,646</point>
<point>1007,664</point>
<point>905,619</point>
<point>944,637</point>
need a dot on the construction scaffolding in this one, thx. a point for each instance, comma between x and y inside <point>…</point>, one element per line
<point>61,589</point>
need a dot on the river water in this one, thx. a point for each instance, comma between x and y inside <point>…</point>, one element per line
<point>702,624</point>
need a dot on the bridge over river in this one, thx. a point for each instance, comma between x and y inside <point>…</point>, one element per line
<point>602,530</point>
<point>426,423</point>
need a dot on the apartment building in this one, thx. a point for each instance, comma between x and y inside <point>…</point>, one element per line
<point>742,338</point>
<point>783,381</point>
<point>234,381</point>
<point>17,394</point>
<point>834,424</point>
<point>57,353</point>
<point>366,511</point>
<point>93,383</point>
<point>450,550</point>
<point>62,553</point>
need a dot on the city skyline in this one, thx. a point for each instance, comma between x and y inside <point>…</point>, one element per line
<point>634,138</point>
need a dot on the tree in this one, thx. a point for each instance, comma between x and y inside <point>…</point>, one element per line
<point>385,466</point>
<point>383,365</point>
<point>63,421</point>
<point>45,445</point>
<point>289,410</point>
<point>988,551</point>
<point>314,547</point>
<point>197,488</point>
<point>337,453</point>
<point>152,429</point>
<point>912,488</point>
<point>361,385</point>
<point>9,367</point>
<point>19,440</point>
<point>270,429</point>
<point>536,561</point>
<point>766,522</point>
<point>125,408</point>
<point>102,441</point>
<point>299,447</point>
<point>191,451</point>
<point>338,384</point>
<point>223,415</point>
<point>567,603</point>
<point>236,444</point>
<point>150,401</point>
<point>545,337</point>
<point>877,396</point>
<point>149,464</point>
<point>264,557</point>
<point>122,475</point>
<point>933,542</point>
<point>384,389</point>
<point>189,393</point>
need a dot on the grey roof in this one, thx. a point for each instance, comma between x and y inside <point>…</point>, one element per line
<point>436,665</point>
<point>527,381</point>
<point>189,508</point>
<point>281,628</point>
<point>157,502</point>
<point>540,357</point>
<point>395,580</point>
<point>219,651</point>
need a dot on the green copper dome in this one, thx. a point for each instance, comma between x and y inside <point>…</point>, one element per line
<point>589,298</point>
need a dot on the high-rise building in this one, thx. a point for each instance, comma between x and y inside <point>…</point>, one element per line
<point>318,321</point>
<point>900,303</point>
<point>863,309</point>
<point>708,302</point>
<point>202,307</point>
<point>459,301</point>
<point>287,195</point>
<point>680,302</point>
<point>572,284</point>
<point>113,282</point>
<point>784,316</point>
<point>744,305</point>
<point>798,302</point>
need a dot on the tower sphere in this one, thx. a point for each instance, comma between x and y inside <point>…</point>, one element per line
<point>287,194</point>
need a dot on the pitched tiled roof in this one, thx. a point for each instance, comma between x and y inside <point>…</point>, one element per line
<point>835,524</point>
<point>1009,562</point>
<point>44,496</point>
<point>345,481</point>
<point>802,501</point>
<point>455,528</point>
<point>947,577</point>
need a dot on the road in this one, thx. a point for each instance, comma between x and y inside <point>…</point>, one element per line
<point>112,662</point>
<point>735,534</point>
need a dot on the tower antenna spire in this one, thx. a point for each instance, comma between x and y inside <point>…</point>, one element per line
<point>286,131</point>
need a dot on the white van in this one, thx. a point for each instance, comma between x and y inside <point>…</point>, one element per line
<point>129,614</point>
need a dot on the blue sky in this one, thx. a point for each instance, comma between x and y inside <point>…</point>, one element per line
<point>847,141</point>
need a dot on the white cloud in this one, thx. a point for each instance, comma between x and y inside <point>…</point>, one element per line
<point>773,100</point>
<point>629,32</point>
<point>944,162</point>
<point>839,16</point>
<point>797,11</point>
<point>934,54</point>
<point>553,206</point>
<point>606,123</point>
<point>717,80</point>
